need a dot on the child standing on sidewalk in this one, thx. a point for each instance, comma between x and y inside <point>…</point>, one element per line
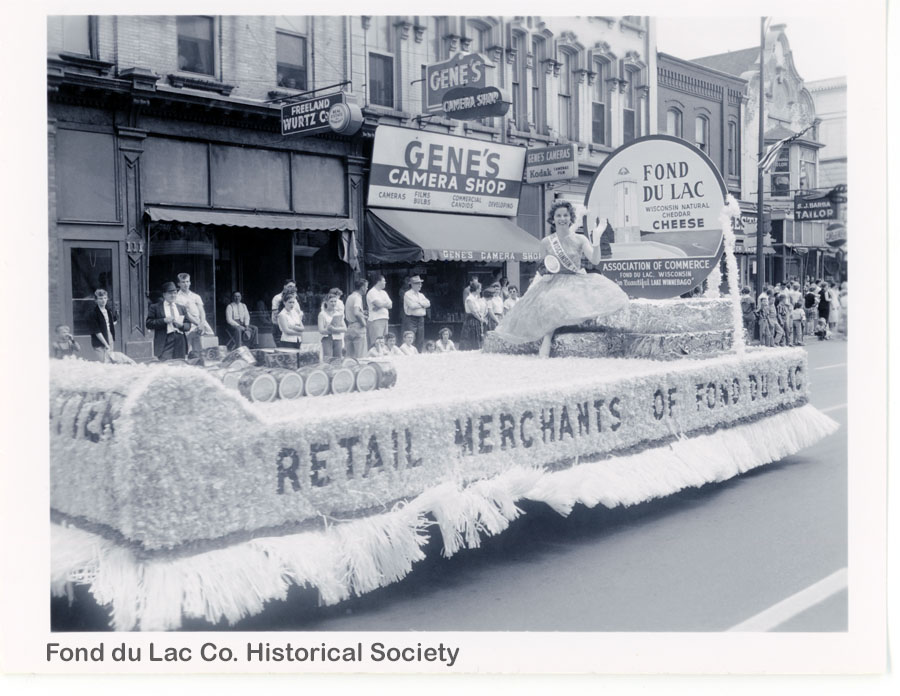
<point>798,319</point>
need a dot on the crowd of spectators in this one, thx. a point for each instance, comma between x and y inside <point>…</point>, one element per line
<point>787,314</point>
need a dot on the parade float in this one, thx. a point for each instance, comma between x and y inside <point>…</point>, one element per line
<point>174,495</point>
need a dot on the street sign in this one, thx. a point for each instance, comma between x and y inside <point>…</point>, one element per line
<point>309,116</point>
<point>462,70</point>
<point>467,103</point>
<point>555,163</point>
<point>814,207</point>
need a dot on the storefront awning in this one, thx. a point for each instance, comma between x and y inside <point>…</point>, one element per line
<point>408,236</point>
<point>259,221</point>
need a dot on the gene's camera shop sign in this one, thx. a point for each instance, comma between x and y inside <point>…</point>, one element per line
<point>418,170</point>
<point>462,70</point>
<point>663,199</point>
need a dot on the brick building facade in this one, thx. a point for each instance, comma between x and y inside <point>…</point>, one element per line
<point>165,150</point>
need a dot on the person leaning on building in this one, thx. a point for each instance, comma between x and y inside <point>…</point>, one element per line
<point>415,306</point>
<point>379,303</point>
<point>289,287</point>
<point>193,303</point>
<point>237,317</point>
<point>290,322</point>
<point>169,322</point>
<point>355,313</point>
<point>102,324</point>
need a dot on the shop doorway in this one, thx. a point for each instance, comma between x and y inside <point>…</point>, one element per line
<point>254,263</point>
<point>90,266</point>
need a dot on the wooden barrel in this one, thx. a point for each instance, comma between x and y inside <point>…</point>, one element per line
<point>316,381</point>
<point>258,384</point>
<point>240,354</point>
<point>387,375</point>
<point>343,379</point>
<point>367,376</point>
<point>290,384</point>
<point>231,378</point>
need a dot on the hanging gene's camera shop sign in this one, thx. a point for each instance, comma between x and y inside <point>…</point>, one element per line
<point>418,170</point>
<point>464,70</point>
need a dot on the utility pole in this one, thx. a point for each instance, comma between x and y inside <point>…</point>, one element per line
<point>760,214</point>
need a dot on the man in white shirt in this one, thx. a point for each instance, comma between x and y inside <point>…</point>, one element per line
<point>415,306</point>
<point>238,318</point>
<point>193,303</point>
<point>380,304</point>
<point>169,321</point>
<point>355,314</point>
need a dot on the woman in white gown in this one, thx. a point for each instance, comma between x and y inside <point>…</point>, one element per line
<point>565,294</point>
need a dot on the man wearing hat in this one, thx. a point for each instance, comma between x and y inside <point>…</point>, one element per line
<point>169,321</point>
<point>415,305</point>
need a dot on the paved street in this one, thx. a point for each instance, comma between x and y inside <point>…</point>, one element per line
<point>703,560</point>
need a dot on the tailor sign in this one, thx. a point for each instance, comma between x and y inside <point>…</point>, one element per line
<point>467,103</point>
<point>663,199</point>
<point>420,170</point>
<point>462,70</point>
<point>556,163</point>
<point>309,116</point>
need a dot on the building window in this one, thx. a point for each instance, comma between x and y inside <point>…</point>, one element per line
<point>381,79</point>
<point>195,45</point>
<point>780,181</point>
<point>701,133</point>
<point>599,103</point>
<point>479,35</point>
<point>733,165</point>
<point>519,80</point>
<point>566,114</point>
<point>808,161</point>
<point>437,28</point>
<point>673,123</point>
<point>630,125</point>
<point>77,34</point>
<point>290,56</point>
<point>537,84</point>
<point>381,62</point>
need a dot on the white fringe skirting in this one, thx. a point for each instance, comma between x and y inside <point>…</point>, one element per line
<point>359,556</point>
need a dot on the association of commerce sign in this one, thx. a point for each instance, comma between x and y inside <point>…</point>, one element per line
<point>663,199</point>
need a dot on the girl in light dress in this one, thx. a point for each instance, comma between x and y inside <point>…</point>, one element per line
<point>566,294</point>
<point>408,347</point>
<point>444,344</point>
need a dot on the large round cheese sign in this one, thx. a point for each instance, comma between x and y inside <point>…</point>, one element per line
<point>663,199</point>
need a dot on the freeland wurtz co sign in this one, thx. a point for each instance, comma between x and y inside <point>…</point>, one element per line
<point>555,163</point>
<point>330,112</point>
<point>420,170</point>
<point>462,70</point>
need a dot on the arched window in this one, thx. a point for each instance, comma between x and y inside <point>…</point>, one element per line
<point>518,44</point>
<point>733,159</point>
<point>600,103</point>
<point>701,133</point>
<point>566,119</point>
<point>538,50</point>
<point>480,36</point>
<point>631,127</point>
<point>673,123</point>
